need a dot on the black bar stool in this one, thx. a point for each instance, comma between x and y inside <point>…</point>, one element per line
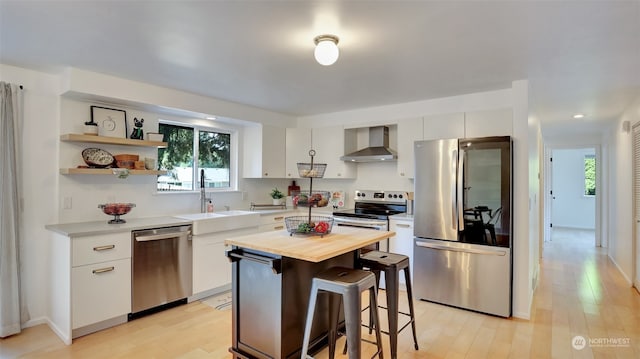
<point>391,264</point>
<point>349,283</point>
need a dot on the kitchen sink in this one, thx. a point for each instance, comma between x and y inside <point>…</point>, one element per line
<point>199,216</point>
<point>235,212</point>
<point>221,221</point>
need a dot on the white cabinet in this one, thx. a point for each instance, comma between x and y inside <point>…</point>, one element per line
<point>450,125</point>
<point>298,144</point>
<point>100,281</point>
<point>263,152</point>
<point>409,131</point>
<point>101,291</point>
<point>402,242</point>
<point>330,143</point>
<point>211,267</point>
<point>489,123</point>
<point>497,122</point>
<point>273,221</point>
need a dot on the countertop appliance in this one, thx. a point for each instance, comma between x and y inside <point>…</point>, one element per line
<point>161,268</point>
<point>372,210</point>
<point>463,223</point>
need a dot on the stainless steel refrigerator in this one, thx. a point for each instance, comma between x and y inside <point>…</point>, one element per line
<point>462,223</point>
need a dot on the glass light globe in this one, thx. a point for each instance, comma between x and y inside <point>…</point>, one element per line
<point>326,52</point>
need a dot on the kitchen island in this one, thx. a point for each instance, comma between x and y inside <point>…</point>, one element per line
<point>271,281</point>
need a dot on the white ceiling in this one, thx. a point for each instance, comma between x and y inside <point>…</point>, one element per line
<point>580,56</point>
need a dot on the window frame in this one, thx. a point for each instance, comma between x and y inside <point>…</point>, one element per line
<point>233,154</point>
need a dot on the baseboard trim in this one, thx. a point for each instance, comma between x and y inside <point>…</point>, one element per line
<point>624,275</point>
<point>66,339</point>
<point>637,285</point>
<point>209,293</point>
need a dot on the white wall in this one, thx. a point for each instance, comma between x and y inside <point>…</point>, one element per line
<point>41,122</point>
<point>620,181</point>
<point>571,208</point>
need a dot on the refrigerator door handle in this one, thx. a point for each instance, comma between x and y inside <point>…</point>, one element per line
<point>454,184</point>
<point>460,191</point>
<point>464,250</point>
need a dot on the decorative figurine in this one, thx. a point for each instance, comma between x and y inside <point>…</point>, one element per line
<point>137,133</point>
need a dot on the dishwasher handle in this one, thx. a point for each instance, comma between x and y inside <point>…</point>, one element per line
<point>161,236</point>
<point>274,263</point>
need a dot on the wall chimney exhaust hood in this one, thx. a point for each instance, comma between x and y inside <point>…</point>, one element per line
<point>378,149</point>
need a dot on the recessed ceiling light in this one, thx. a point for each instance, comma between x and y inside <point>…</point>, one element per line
<point>578,115</point>
<point>210,118</point>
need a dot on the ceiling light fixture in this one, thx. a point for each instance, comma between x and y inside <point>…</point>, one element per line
<point>578,115</point>
<point>212,118</point>
<point>326,52</point>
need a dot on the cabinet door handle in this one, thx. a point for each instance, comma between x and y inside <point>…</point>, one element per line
<point>104,248</point>
<point>278,218</point>
<point>278,227</point>
<point>103,270</point>
<point>402,225</point>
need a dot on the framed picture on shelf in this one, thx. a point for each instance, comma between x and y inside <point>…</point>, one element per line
<point>111,122</point>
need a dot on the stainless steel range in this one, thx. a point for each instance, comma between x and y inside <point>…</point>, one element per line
<point>372,210</point>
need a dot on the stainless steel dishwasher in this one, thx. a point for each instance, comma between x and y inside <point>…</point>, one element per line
<point>161,268</point>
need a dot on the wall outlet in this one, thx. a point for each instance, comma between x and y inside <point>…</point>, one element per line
<point>67,203</point>
<point>244,195</point>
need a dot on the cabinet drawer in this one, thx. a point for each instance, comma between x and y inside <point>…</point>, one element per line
<point>272,227</point>
<point>102,248</point>
<point>275,218</point>
<point>100,291</point>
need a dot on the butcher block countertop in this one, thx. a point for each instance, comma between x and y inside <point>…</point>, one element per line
<point>311,248</point>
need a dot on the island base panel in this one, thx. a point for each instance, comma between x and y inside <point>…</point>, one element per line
<point>269,308</point>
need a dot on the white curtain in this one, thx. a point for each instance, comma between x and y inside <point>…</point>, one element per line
<point>12,312</point>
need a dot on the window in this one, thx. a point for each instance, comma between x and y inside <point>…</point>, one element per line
<point>185,143</point>
<point>589,175</point>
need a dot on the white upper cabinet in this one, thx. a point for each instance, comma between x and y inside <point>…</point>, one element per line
<point>409,131</point>
<point>489,123</point>
<point>298,144</point>
<point>450,125</point>
<point>264,152</point>
<point>330,143</point>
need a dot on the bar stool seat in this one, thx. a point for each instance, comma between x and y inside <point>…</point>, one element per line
<point>349,283</point>
<point>391,264</point>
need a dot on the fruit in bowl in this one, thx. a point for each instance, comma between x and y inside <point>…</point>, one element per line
<point>116,208</point>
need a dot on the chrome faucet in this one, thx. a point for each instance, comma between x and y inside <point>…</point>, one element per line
<point>203,200</point>
<point>203,193</point>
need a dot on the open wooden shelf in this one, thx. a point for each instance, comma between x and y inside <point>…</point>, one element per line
<point>73,137</point>
<point>106,171</point>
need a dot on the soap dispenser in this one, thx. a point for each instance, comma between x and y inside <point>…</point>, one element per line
<point>209,207</point>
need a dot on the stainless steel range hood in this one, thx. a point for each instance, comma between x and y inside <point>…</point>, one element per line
<point>378,149</point>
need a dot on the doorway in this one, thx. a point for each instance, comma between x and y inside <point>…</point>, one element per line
<point>572,185</point>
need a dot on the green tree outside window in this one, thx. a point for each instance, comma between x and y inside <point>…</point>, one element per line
<point>589,175</point>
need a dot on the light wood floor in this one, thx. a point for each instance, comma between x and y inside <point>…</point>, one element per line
<point>580,293</point>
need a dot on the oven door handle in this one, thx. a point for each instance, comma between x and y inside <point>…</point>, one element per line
<point>355,222</point>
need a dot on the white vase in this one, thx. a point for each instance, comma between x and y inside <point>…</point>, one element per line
<point>277,201</point>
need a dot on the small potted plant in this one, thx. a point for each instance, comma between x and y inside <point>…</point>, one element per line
<point>277,196</point>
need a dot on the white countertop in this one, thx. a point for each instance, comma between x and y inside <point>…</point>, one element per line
<point>83,229</point>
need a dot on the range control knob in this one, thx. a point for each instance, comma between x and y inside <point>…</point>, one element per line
<point>400,196</point>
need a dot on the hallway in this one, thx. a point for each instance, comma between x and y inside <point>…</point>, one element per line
<point>582,293</point>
